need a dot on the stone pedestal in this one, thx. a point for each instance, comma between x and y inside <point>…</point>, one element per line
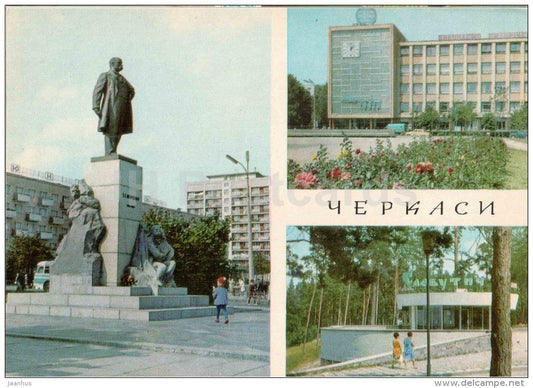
<point>117,183</point>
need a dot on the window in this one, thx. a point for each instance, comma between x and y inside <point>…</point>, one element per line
<point>486,87</point>
<point>431,51</point>
<point>444,50</point>
<point>500,48</point>
<point>514,106</point>
<point>485,106</point>
<point>404,107</point>
<point>458,68</point>
<point>404,51</point>
<point>458,49</point>
<point>42,194</point>
<point>31,193</point>
<point>500,67</point>
<point>417,69</point>
<point>53,213</point>
<point>431,69</point>
<point>514,87</point>
<point>444,68</point>
<point>42,212</point>
<point>514,67</point>
<point>525,66</point>
<point>18,190</point>
<point>431,88</point>
<point>471,48</point>
<point>404,88</point>
<point>457,88</point>
<point>417,107</point>
<point>499,106</point>
<point>486,67</point>
<point>486,48</point>
<point>471,87</point>
<point>417,88</point>
<point>525,87</point>
<point>499,87</point>
<point>8,189</point>
<point>515,47</point>
<point>430,104</point>
<point>525,47</point>
<point>404,69</point>
<point>471,68</point>
<point>417,50</point>
<point>444,88</point>
<point>29,210</point>
<point>444,106</point>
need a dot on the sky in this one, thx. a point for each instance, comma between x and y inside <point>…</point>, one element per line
<point>307,29</point>
<point>201,77</point>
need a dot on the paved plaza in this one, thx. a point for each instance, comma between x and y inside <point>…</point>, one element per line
<point>38,346</point>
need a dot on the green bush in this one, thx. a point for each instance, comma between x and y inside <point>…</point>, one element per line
<point>475,162</point>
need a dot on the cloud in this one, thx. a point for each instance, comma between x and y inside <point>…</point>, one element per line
<point>52,93</point>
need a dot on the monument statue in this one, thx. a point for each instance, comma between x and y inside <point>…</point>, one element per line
<point>112,104</point>
<point>79,251</point>
<point>152,262</point>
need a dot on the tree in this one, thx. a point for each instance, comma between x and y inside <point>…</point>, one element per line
<point>501,335</point>
<point>519,119</point>
<point>200,249</point>
<point>261,264</point>
<point>23,254</point>
<point>488,121</point>
<point>462,114</point>
<point>300,104</point>
<point>428,119</point>
<point>519,261</point>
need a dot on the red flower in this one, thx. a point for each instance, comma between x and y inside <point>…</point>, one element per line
<point>447,152</point>
<point>348,166</point>
<point>305,180</point>
<point>336,173</point>
<point>357,151</point>
<point>358,182</point>
<point>450,170</point>
<point>408,167</point>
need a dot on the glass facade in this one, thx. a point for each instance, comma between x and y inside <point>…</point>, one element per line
<point>448,318</point>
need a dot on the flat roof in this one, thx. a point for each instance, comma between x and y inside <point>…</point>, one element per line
<point>461,298</point>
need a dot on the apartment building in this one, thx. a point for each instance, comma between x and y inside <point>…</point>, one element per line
<point>227,196</point>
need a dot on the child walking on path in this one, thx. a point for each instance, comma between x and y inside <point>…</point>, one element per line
<point>408,350</point>
<point>220,295</point>
<point>396,349</point>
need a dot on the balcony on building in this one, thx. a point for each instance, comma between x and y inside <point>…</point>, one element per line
<point>47,202</point>
<point>32,217</point>
<point>21,198</point>
<point>20,232</point>
<point>57,220</point>
<point>46,236</point>
<point>11,213</point>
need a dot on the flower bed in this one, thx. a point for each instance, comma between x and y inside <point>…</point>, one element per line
<point>476,162</point>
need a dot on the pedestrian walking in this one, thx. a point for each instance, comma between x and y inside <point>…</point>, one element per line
<point>18,282</point>
<point>409,350</point>
<point>396,349</point>
<point>251,292</point>
<point>241,286</point>
<point>220,295</point>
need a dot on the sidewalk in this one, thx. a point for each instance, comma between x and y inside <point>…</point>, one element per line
<point>56,346</point>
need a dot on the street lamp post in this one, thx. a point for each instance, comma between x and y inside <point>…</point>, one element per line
<point>249,198</point>
<point>428,243</point>
<point>314,101</point>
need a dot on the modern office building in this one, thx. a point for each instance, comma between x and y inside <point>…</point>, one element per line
<point>376,76</point>
<point>226,195</point>
<point>37,202</point>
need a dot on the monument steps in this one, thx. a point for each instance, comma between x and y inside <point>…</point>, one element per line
<point>132,303</point>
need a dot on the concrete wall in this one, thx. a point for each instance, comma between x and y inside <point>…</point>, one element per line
<point>344,343</point>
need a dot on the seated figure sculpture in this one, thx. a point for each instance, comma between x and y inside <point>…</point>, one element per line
<point>152,262</point>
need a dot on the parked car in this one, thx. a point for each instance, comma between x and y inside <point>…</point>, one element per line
<point>398,128</point>
<point>41,278</point>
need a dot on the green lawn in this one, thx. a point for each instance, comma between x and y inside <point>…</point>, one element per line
<point>297,360</point>
<point>516,170</point>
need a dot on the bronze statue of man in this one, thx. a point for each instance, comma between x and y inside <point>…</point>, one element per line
<point>112,103</point>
